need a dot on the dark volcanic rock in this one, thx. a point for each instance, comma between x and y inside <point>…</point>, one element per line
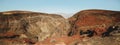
<point>98,20</point>
<point>31,27</point>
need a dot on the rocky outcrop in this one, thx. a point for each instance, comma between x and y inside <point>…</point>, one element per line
<point>25,28</point>
<point>113,40</point>
<point>30,27</point>
<point>98,20</point>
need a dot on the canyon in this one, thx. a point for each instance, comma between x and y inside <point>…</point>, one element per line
<point>35,28</point>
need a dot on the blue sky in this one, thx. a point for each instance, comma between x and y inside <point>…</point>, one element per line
<point>58,6</point>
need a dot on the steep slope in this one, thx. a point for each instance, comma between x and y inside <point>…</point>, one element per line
<point>30,27</point>
<point>98,20</point>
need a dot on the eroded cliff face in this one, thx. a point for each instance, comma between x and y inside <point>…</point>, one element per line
<point>30,27</point>
<point>98,20</point>
<point>25,28</point>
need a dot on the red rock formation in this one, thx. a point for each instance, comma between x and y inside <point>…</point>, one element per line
<point>65,40</point>
<point>24,27</point>
<point>98,20</point>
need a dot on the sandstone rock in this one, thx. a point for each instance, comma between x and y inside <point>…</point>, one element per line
<point>102,41</point>
<point>33,26</point>
<point>98,20</point>
<point>12,42</point>
<point>65,40</point>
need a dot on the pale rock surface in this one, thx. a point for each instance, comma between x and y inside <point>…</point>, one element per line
<point>32,26</point>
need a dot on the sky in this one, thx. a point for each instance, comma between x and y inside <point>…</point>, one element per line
<point>65,7</point>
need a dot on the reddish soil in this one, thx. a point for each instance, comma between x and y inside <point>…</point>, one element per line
<point>65,40</point>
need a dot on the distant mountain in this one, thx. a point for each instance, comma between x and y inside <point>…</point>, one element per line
<point>66,15</point>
